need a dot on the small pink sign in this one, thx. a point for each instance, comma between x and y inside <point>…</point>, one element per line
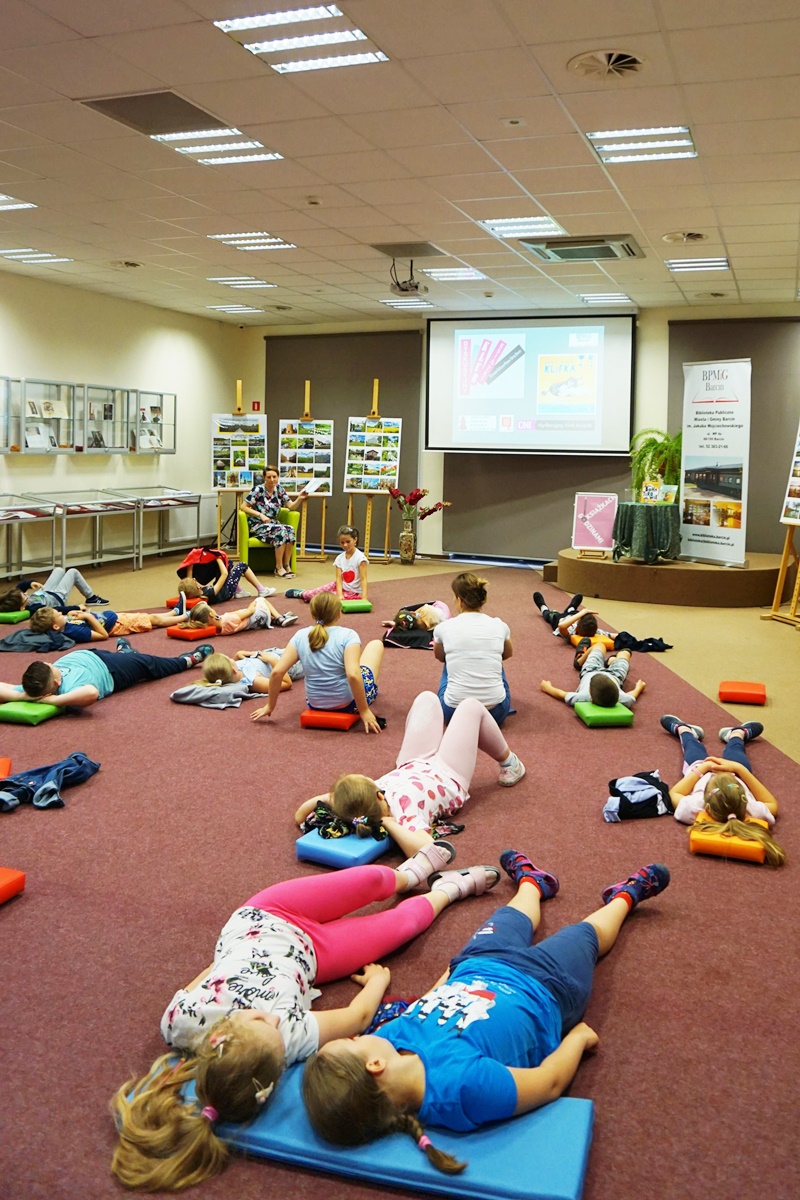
<point>593,521</point>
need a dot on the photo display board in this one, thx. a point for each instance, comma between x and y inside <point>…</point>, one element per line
<point>790,513</point>
<point>238,449</point>
<point>372,462</point>
<point>305,456</point>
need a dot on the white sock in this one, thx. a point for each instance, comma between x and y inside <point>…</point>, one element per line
<point>509,759</point>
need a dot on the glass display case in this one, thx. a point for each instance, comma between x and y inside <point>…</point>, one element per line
<point>163,501</point>
<point>48,417</point>
<point>152,428</point>
<point>18,513</point>
<point>94,505</point>
<point>10,398</point>
<point>106,417</point>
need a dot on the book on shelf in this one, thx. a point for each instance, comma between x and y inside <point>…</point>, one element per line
<point>36,437</point>
<point>54,408</point>
<point>96,440</point>
<point>33,409</point>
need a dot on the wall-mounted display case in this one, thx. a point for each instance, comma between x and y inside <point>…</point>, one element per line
<point>10,397</point>
<point>48,417</point>
<point>153,423</point>
<point>106,417</point>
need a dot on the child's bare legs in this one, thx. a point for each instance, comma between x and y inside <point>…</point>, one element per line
<point>372,657</point>
<point>607,922</point>
<point>252,579</point>
<point>164,620</point>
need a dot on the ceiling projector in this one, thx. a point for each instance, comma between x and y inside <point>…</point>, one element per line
<point>408,287</point>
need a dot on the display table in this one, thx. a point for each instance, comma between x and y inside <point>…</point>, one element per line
<point>15,513</point>
<point>647,531</point>
<point>94,505</point>
<point>163,501</point>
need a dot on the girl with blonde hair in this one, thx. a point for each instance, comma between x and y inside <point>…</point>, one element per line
<point>340,676</point>
<point>259,614</point>
<point>724,787</point>
<point>253,668</point>
<point>473,647</point>
<point>248,1016</point>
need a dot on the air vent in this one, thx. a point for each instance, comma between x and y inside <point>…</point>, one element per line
<point>587,249</point>
<point>155,112</point>
<point>681,238</point>
<point>409,249</point>
<point>605,64</point>
<point>125,264</point>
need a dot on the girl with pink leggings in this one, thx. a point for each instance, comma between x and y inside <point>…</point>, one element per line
<point>248,1015</point>
<point>431,781</point>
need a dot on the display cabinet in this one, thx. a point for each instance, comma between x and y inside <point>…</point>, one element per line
<point>152,428</point>
<point>95,505</point>
<point>48,417</point>
<point>10,398</point>
<point>162,501</point>
<point>106,414</point>
<point>18,513</point>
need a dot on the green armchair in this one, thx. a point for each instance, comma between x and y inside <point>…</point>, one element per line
<point>253,552</point>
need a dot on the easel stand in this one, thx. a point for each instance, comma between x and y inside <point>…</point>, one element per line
<point>302,553</point>
<point>789,552</point>
<point>367,531</point>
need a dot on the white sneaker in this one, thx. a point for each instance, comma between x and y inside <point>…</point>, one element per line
<point>286,619</point>
<point>512,773</point>
<point>266,591</point>
<point>241,595</point>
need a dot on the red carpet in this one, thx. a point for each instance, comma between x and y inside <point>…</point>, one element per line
<point>695,1078</point>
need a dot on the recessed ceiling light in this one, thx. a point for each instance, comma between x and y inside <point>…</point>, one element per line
<point>412,302</point>
<point>318,12</point>
<point>323,64</point>
<point>233,309</point>
<point>199,146</point>
<point>241,281</point>
<point>7,203</point>
<point>604,298</point>
<point>252,241</point>
<point>227,159</point>
<point>297,40</point>
<point>641,145</point>
<point>199,133</point>
<point>680,266</point>
<point>27,254</point>
<point>512,227</point>
<point>306,41</point>
<point>446,274</point>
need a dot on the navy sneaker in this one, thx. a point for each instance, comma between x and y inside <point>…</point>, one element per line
<point>197,656</point>
<point>646,882</point>
<point>671,723</point>
<point>124,646</point>
<point>95,599</point>
<point>518,867</point>
<point>294,593</point>
<point>575,602</point>
<point>751,729</point>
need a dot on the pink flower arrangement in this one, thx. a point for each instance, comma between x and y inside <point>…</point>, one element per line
<point>409,504</point>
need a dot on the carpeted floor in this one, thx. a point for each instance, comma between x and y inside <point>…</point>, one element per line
<point>695,1076</point>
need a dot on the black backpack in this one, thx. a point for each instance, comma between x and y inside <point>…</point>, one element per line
<point>410,638</point>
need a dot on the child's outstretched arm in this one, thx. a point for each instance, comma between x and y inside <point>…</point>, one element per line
<point>346,1022</point>
<point>539,1085</point>
<point>638,688</point>
<point>286,660</point>
<point>550,690</point>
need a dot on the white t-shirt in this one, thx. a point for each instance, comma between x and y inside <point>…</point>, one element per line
<point>689,806</point>
<point>421,790</point>
<point>351,570</point>
<point>260,962</point>
<point>326,679</point>
<point>473,646</point>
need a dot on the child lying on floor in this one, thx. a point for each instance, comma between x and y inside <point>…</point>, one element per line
<point>259,614</point>
<point>84,626</point>
<point>601,680</point>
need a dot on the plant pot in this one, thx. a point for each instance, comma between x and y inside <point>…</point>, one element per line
<point>407,542</point>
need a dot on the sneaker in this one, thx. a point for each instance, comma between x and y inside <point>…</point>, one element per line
<point>284,619</point>
<point>124,646</point>
<point>512,773</point>
<point>240,594</point>
<point>646,882</point>
<point>470,881</point>
<point>95,599</point>
<point>584,644</point>
<point>294,594</point>
<point>518,867</point>
<point>265,591</point>
<point>197,656</point>
<point>538,600</point>
<point>180,607</point>
<point>752,729</point>
<point>429,859</point>
<point>671,723</point>
<point>575,602</point>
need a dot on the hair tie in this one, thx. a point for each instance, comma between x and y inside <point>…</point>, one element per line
<point>263,1093</point>
<point>218,682</point>
<point>320,622</point>
<point>210,1113</point>
<point>359,821</point>
<point>731,817</point>
<point>424,1142</point>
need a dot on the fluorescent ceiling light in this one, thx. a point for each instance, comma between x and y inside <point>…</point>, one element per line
<point>241,281</point>
<point>641,145</point>
<point>22,250</point>
<point>257,283</point>
<point>446,274</point>
<point>322,64</point>
<point>411,302</point>
<point>252,241</point>
<point>227,278</point>
<point>216,147</point>
<point>605,298</point>
<point>226,159</point>
<point>513,227</point>
<point>233,308</point>
<point>7,203</point>
<point>680,266</point>
<point>34,257</point>
<point>319,12</point>
<point>199,133</point>
<point>227,237</point>
<point>306,42</point>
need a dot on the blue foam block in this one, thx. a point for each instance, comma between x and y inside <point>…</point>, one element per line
<point>540,1156</point>
<point>350,851</point>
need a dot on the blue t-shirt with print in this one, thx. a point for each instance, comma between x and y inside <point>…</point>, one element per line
<point>487,1017</point>
<point>79,631</point>
<point>80,667</point>
<point>326,681</point>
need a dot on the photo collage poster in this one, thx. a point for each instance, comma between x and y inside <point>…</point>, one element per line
<point>790,513</point>
<point>238,449</point>
<point>305,456</point>
<point>372,462</point>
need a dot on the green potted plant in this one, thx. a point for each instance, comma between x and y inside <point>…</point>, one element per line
<point>655,455</point>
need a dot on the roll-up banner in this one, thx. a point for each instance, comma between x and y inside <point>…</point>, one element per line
<point>715,463</point>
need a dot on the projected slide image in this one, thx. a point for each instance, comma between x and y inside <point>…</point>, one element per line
<point>491,367</point>
<point>567,385</point>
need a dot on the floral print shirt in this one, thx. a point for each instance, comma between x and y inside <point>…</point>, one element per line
<point>261,962</point>
<point>268,505</point>
<point>420,791</point>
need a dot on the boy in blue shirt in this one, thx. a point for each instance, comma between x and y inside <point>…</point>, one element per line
<point>500,1034</point>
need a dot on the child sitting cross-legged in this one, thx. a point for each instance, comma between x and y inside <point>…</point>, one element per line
<point>601,680</point>
<point>351,571</point>
<point>259,614</point>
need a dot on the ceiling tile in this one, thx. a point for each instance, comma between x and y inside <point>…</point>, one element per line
<point>352,168</point>
<point>744,99</point>
<point>417,127</point>
<point>537,23</point>
<point>419,28</point>
<point>484,75</point>
<point>292,139</point>
<point>197,53</point>
<point>24,25</point>
<point>540,116</point>
<point>524,154</point>
<point>429,161</point>
<point>734,52</point>
<point>79,70</point>
<point>95,17</point>
<point>491,185</point>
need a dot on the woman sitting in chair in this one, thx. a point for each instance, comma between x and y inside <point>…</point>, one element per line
<point>261,507</point>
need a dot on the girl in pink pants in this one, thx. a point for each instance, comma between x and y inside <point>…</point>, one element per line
<point>431,781</point>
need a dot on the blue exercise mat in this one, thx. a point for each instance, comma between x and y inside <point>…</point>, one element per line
<point>540,1156</point>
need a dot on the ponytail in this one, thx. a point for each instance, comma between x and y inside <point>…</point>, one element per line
<point>348,1107</point>
<point>326,609</point>
<point>726,806</point>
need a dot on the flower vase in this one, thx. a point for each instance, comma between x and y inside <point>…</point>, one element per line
<point>408,542</point>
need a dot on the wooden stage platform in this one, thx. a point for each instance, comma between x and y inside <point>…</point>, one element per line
<point>688,584</point>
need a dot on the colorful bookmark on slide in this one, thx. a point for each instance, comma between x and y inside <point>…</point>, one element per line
<point>464,366</point>
<point>505,363</point>
<point>491,361</point>
<point>480,361</point>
